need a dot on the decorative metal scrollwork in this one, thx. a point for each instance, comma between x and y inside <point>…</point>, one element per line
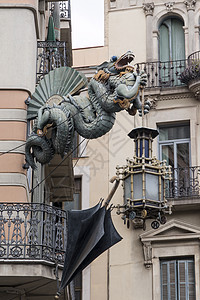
<point>32,231</point>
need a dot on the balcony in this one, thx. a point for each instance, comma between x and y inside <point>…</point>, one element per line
<point>32,232</point>
<point>185,184</point>
<point>191,74</point>
<point>51,55</point>
<point>163,74</point>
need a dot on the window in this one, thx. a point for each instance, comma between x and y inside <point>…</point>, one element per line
<point>171,51</point>
<point>178,279</point>
<point>174,144</point>
<point>172,40</point>
<point>76,203</point>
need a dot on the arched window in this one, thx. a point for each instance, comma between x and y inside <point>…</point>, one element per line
<point>172,40</point>
<point>171,50</point>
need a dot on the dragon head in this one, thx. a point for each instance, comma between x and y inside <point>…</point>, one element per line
<point>117,65</point>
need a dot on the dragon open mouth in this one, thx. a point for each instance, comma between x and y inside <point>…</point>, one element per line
<point>124,60</point>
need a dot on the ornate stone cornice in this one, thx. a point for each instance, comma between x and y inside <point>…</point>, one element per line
<point>148,8</point>
<point>173,97</point>
<point>190,4</point>
<point>169,6</point>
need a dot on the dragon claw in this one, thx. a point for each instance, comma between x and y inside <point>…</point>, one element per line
<point>147,107</point>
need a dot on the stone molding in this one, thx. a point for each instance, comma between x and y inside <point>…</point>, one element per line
<point>13,115</point>
<point>17,146</point>
<point>16,179</point>
<point>148,8</point>
<point>190,4</point>
<point>147,251</point>
<point>155,99</point>
<point>169,6</point>
<point>151,239</point>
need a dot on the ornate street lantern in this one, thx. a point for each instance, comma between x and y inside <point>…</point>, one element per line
<point>144,179</point>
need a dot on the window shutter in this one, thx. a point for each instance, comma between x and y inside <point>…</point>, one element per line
<point>182,280</point>
<point>172,269</point>
<point>164,43</point>
<point>186,280</point>
<point>164,278</point>
<point>178,280</point>
<point>191,280</point>
<point>178,40</point>
<point>168,280</point>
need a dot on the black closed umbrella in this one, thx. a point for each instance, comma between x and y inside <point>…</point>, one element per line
<point>90,233</point>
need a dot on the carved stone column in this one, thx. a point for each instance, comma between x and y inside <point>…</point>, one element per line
<point>190,5</point>
<point>148,10</point>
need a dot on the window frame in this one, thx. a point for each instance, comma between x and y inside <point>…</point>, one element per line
<point>177,282</point>
<point>174,142</point>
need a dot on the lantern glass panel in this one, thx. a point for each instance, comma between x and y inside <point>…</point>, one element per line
<point>127,188</point>
<point>146,148</point>
<point>162,189</point>
<point>137,186</point>
<point>152,187</point>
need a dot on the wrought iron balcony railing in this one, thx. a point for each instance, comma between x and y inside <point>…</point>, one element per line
<point>65,10</point>
<point>163,74</point>
<point>185,183</point>
<point>51,55</point>
<point>194,58</point>
<point>32,231</point>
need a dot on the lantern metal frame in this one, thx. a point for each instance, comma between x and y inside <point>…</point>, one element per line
<point>141,174</point>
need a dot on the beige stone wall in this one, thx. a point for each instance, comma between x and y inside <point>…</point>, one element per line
<point>120,273</point>
<point>19,31</point>
<point>89,56</point>
<point>18,49</point>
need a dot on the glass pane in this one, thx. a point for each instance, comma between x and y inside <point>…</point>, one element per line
<point>152,187</point>
<point>174,132</point>
<point>168,154</point>
<point>127,188</point>
<point>137,186</point>
<point>183,155</point>
<point>177,39</point>
<point>164,43</point>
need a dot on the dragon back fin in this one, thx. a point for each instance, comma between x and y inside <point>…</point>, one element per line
<point>56,84</point>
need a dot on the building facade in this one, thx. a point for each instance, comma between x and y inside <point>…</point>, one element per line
<point>32,230</point>
<point>161,264</point>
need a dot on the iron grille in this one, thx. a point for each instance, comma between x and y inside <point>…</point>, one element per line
<point>185,183</point>
<point>163,74</point>
<point>51,55</point>
<point>194,58</point>
<point>32,231</point>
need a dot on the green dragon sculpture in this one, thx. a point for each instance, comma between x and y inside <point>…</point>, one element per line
<point>59,109</point>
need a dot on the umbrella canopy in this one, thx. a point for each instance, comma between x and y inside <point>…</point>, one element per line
<point>51,31</point>
<point>56,20</point>
<point>90,233</point>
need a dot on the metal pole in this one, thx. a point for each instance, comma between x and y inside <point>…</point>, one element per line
<point>142,91</point>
